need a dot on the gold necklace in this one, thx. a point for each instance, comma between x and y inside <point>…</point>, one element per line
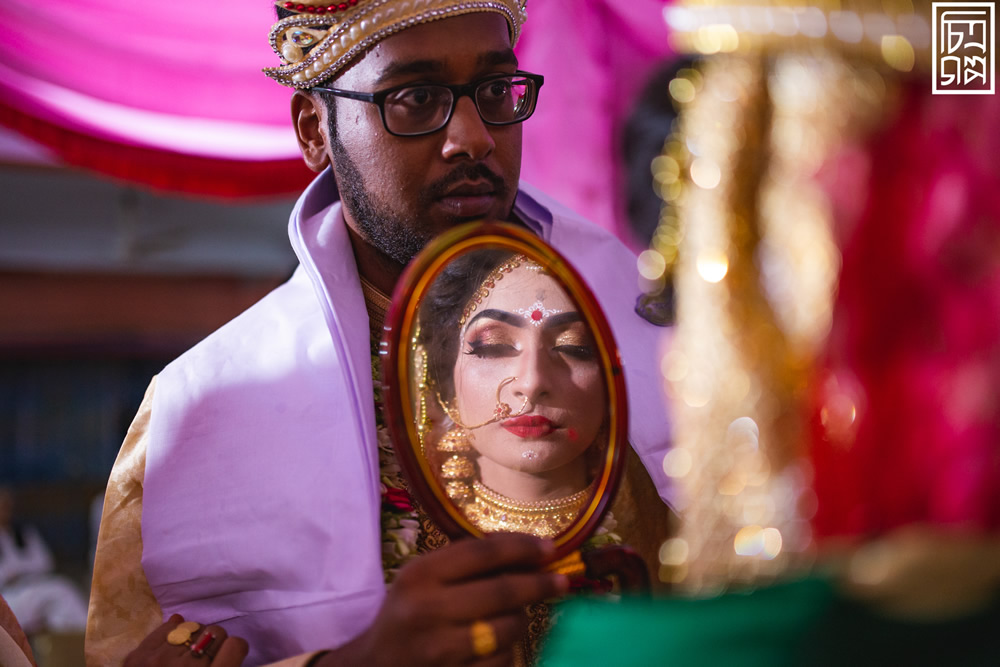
<point>492,512</point>
<point>377,304</point>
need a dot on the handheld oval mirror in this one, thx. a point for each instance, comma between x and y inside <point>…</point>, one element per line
<point>504,392</point>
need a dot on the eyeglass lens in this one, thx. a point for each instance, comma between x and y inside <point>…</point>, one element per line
<point>420,109</point>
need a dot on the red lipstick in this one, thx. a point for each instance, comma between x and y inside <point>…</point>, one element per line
<point>529,426</point>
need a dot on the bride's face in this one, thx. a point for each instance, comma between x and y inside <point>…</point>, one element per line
<point>529,329</point>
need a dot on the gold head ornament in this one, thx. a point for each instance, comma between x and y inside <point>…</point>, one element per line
<point>495,276</point>
<point>318,40</point>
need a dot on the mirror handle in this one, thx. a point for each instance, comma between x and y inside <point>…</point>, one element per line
<point>621,561</point>
<point>572,566</point>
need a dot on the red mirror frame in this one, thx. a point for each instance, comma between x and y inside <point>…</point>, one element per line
<point>396,352</point>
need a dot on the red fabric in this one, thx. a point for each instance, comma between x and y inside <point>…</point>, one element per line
<point>916,339</point>
<point>163,170</point>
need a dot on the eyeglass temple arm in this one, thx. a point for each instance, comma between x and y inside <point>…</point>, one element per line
<point>350,94</point>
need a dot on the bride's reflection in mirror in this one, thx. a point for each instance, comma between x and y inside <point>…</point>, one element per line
<point>515,412</point>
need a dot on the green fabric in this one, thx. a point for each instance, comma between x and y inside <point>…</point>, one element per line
<point>761,628</point>
<point>857,636</point>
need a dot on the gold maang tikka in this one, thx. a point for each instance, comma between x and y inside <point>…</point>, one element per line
<point>495,276</point>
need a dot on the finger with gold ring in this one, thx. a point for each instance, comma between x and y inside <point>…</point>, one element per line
<point>182,633</point>
<point>484,638</point>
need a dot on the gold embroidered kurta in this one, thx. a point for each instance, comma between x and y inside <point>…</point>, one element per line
<point>123,610</point>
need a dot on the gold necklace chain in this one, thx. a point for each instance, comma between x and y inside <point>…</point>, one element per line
<point>503,502</point>
<point>377,303</point>
<point>493,512</point>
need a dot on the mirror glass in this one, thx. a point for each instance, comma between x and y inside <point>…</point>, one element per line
<point>508,397</point>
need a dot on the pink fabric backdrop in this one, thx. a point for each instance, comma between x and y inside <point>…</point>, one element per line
<point>168,75</point>
<point>171,94</point>
<point>595,55</point>
<point>164,94</point>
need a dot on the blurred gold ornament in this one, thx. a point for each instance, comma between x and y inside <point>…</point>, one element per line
<point>746,235</point>
<point>896,33</point>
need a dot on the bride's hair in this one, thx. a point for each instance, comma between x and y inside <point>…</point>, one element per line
<point>441,312</point>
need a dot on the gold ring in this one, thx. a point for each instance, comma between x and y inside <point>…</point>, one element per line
<point>484,639</point>
<point>182,633</point>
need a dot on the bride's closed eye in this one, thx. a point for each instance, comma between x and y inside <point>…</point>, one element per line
<point>490,343</point>
<point>575,344</point>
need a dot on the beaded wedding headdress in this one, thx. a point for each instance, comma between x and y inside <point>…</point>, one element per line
<point>319,39</point>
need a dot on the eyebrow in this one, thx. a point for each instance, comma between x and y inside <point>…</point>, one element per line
<point>427,66</point>
<point>493,58</point>
<point>500,316</point>
<point>562,318</point>
<point>519,321</point>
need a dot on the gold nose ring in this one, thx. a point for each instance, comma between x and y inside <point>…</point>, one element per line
<point>501,411</point>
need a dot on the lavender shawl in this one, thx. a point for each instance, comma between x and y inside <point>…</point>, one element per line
<point>261,498</point>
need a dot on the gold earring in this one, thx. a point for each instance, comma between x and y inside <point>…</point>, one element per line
<point>455,440</point>
<point>457,468</point>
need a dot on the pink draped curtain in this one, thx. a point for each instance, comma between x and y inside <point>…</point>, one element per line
<point>595,55</point>
<point>171,94</point>
<point>166,94</point>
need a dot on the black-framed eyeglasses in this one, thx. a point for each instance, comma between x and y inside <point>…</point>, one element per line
<point>414,109</point>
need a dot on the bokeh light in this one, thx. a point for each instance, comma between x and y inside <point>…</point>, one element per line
<point>712,265</point>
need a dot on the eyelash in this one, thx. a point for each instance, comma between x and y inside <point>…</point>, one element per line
<point>488,350</point>
<point>498,350</point>
<point>578,352</point>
